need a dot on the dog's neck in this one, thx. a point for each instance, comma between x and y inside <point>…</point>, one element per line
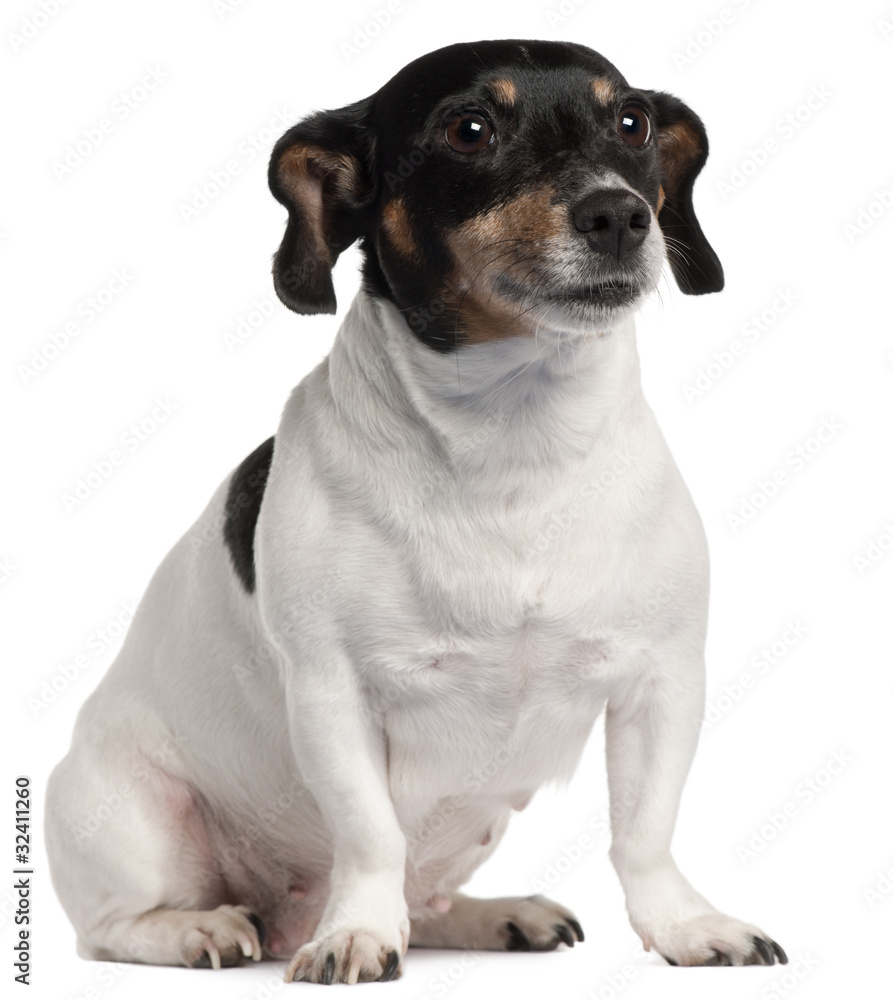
<point>534,401</point>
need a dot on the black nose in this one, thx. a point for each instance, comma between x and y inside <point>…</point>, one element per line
<point>614,221</point>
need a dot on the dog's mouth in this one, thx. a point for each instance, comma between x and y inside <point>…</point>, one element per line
<point>605,294</point>
<point>609,293</point>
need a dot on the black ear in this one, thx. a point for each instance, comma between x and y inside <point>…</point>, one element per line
<point>682,145</point>
<point>320,171</point>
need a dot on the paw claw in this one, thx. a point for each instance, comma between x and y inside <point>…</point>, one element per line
<point>328,972</point>
<point>764,951</point>
<point>344,957</point>
<point>518,940</point>
<point>711,938</point>
<point>391,969</point>
<point>576,928</point>
<point>259,926</point>
<point>564,934</point>
<point>779,951</point>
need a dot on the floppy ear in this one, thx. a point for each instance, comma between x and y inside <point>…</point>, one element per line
<point>319,171</point>
<point>682,146</point>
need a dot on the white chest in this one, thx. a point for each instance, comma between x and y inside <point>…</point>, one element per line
<point>492,670</point>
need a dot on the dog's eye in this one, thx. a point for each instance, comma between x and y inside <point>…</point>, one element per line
<point>468,133</point>
<point>634,127</point>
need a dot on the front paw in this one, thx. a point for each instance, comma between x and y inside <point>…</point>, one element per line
<point>345,957</point>
<point>715,939</point>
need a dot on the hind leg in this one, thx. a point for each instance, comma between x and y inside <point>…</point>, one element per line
<point>130,859</point>
<point>197,938</point>
<point>516,923</point>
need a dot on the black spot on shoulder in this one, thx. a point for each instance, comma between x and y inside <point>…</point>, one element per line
<point>246,492</point>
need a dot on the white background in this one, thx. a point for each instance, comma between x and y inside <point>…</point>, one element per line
<point>804,221</point>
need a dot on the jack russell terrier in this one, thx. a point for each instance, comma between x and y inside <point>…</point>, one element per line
<point>400,617</point>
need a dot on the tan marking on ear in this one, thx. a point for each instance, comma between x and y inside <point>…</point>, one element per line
<point>397,228</point>
<point>305,172</point>
<point>504,91</point>
<point>603,90</point>
<point>661,198</point>
<point>679,147</point>
<point>509,240</point>
<point>304,161</point>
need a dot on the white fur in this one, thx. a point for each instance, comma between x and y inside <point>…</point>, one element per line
<point>461,558</point>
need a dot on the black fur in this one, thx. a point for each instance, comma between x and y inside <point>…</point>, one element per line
<point>555,133</point>
<point>243,500</point>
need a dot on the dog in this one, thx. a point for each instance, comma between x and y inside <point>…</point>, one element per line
<point>401,615</point>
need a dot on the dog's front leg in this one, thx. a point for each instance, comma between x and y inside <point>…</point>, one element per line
<point>652,730</point>
<point>340,751</point>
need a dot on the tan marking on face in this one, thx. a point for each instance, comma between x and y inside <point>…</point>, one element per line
<point>512,240</point>
<point>661,197</point>
<point>603,90</point>
<point>397,228</point>
<point>504,91</point>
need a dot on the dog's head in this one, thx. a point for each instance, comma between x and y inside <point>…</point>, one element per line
<point>497,187</point>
